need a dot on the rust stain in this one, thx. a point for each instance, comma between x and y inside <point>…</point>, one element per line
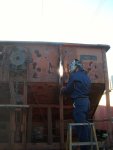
<point>50,68</point>
<point>39,69</point>
<point>37,53</point>
<point>34,65</point>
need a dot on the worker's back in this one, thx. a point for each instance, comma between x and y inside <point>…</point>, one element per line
<point>78,85</point>
<point>82,84</point>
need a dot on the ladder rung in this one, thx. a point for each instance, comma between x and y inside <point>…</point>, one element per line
<point>83,143</point>
<point>80,124</point>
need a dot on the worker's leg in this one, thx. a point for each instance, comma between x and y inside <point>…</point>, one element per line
<point>80,116</point>
<point>83,132</point>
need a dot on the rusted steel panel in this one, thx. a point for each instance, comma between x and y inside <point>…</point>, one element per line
<point>43,93</point>
<point>45,63</point>
<point>90,57</point>
<point>44,60</point>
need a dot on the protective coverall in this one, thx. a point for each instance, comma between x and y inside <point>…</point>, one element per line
<point>78,87</point>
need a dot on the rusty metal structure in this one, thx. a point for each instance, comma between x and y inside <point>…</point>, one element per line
<point>33,114</point>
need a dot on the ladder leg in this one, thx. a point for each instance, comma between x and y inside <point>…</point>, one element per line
<point>70,137</point>
<point>91,136</point>
<point>95,137</point>
<point>93,141</point>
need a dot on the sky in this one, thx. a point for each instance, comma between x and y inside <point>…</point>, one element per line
<point>72,21</point>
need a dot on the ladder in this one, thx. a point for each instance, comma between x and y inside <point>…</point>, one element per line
<point>93,142</point>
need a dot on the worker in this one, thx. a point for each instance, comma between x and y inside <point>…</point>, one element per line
<point>78,87</point>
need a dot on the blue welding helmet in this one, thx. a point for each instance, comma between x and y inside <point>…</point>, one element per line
<point>75,64</point>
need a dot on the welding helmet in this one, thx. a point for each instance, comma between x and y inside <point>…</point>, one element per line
<point>75,64</point>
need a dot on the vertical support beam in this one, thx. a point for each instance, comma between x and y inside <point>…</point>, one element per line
<point>61,105</point>
<point>12,114</point>
<point>107,96</point>
<point>12,91</point>
<point>61,121</point>
<point>24,125</point>
<point>24,122</point>
<point>24,111</point>
<point>29,129</point>
<point>50,137</point>
<point>25,92</point>
<point>12,128</point>
<point>18,120</point>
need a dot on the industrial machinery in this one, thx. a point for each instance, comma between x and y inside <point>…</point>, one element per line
<point>33,114</point>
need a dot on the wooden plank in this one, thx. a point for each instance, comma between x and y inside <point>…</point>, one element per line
<point>30,146</point>
<point>13,106</point>
<point>50,105</point>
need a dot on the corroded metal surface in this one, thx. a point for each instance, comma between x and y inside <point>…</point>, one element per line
<point>43,60</point>
<point>91,58</point>
<point>45,63</point>
<point>29,75</point>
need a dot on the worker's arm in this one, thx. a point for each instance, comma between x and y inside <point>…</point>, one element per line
<point>68,89</point>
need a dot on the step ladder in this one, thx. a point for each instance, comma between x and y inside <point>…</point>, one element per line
<point>93,142</point>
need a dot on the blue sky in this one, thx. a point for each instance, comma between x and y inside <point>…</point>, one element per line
<point>77,21</point>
